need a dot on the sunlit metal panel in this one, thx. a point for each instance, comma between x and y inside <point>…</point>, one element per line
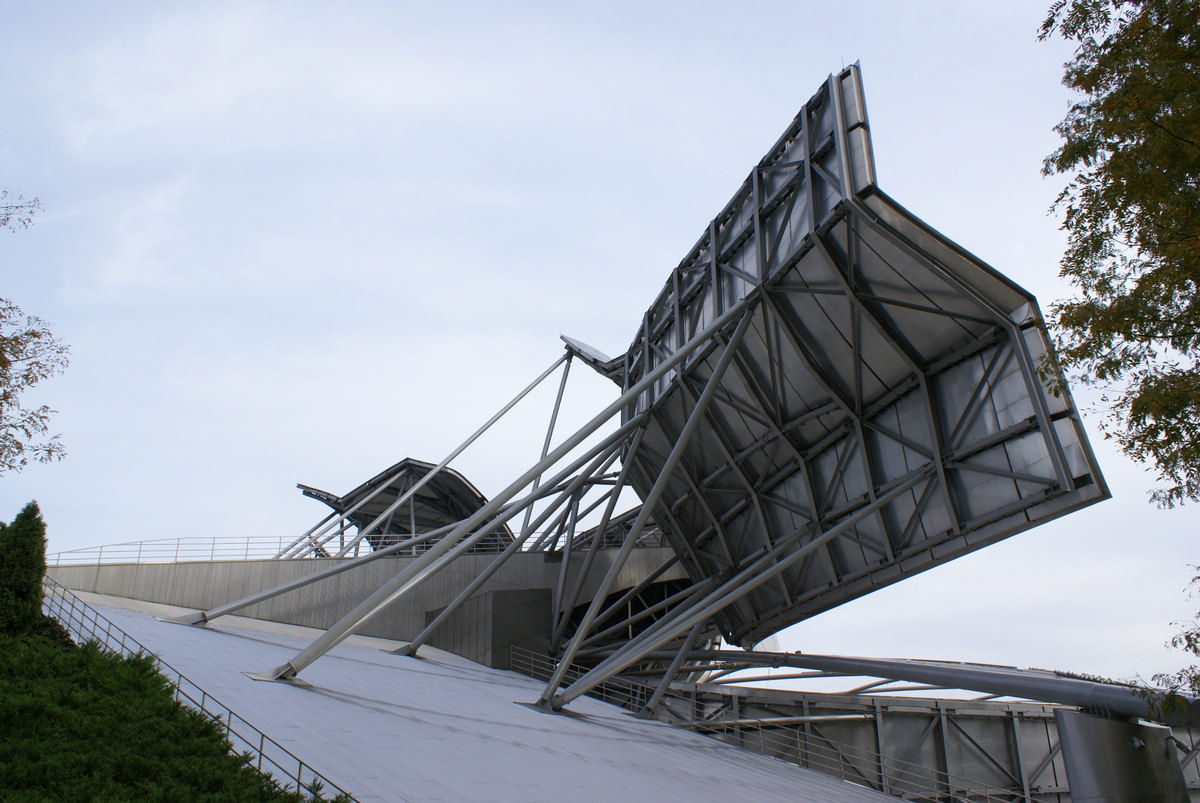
<point>879,354</point>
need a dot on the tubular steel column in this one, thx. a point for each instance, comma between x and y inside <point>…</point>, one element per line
<point>656,492</point>
<point>399,584</point>
<point>569,602</point>
<point>454,544</point>
<point>562,386</point>
<point>758,572</point>
<point>684,650</point>
<point>203,617</point>
<point>319,530</point>
<point>566,358</point>
<point>600,464</point>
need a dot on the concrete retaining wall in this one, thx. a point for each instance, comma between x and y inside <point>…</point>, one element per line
<point>203,585</point>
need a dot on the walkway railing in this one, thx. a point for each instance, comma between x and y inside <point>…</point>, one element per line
<point>85,623</point>
<point>174,550</point>
<point>790,743</point>
<point>202,548</point>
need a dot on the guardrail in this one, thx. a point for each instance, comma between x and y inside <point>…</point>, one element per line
<point>788,743</point>
<point>211,548</point>
<point>285,769</point>
<point>174,550</point>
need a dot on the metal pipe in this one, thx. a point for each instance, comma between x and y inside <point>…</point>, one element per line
<point>446,461</point>
<point>656,492</point>
<point>688,645</point>
<point>294,544</point>
<point>772,722</point>
<point>597,541</point>
<point>729,592</point>
<point>562,386</point>
<point>1006,681</point>
<point>449,547</point>
<point>598,637</point>
<point>346,565</point>
<point>386,593</point>
<point>598,464</point>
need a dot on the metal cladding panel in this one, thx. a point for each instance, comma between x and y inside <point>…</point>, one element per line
<point>883,411</point>
<point>445,499</point>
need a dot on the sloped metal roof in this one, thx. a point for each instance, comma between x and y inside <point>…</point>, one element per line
<point>441,728</point>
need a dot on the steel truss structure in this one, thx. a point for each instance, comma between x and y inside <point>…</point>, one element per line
<point>826,397</point>
<point>886,735</point>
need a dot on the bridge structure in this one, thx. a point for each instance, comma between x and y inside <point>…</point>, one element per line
<point>826,397</point>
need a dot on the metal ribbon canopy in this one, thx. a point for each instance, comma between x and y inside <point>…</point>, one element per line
<point>826,397</point>
<point>878,352</point>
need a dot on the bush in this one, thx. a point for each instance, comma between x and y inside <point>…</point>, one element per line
<point>22,565</point>
<point>82,724</point>
<point>87,725</point>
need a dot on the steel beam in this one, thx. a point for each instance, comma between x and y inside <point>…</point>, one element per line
<point>399,584</point>
<point>455,543</point>
<point>599,464</point>
<point>651,500</point>
<point>565,358</point>
<point>760,571</point>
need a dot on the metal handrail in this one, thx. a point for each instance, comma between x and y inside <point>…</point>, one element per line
<point>217,548</point>
<point>85,623</point>
<point>172,550</point>
<point>788,743</point>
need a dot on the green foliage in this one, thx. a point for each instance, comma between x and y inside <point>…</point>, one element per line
<point>86,725</point>
<point>1131,209</point>
<point>1186,680</point>
<point>82,724</point>
<point>29,353</point>
<point>22,565</point>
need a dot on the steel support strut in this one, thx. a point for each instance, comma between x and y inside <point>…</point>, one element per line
<point>600,464</point>
<point>337,567</point>
<point>571,597</point>
<point>465,535</point>
<point>784,555</point>
<point>319,534</point>
<point>656,492</point>
<point>566,358</point>
<point>413,573</point>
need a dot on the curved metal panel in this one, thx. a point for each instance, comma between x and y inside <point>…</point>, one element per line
<point>879,355</point>
<point>445,500</point>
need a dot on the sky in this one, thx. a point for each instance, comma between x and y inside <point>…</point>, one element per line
<point>297,242</point>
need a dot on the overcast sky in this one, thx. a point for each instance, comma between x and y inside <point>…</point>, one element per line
<point>296,242</point>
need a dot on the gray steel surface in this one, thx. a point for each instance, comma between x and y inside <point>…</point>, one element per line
<point>446,729</point>
<point>877,351</point>
<point>445,498</point>
<point>826,397</point>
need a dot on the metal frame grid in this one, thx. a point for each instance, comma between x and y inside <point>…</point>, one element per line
<point>826,397</point>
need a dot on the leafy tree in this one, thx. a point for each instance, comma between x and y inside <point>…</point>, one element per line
<point>17,212</point>
<point>1131,210</point>
<point>1187,638</point>
<point>22,565</point>
<point>29,353</point>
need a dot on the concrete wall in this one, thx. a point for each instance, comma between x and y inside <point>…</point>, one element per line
<point>489,625</point>
<point>204,585</point>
